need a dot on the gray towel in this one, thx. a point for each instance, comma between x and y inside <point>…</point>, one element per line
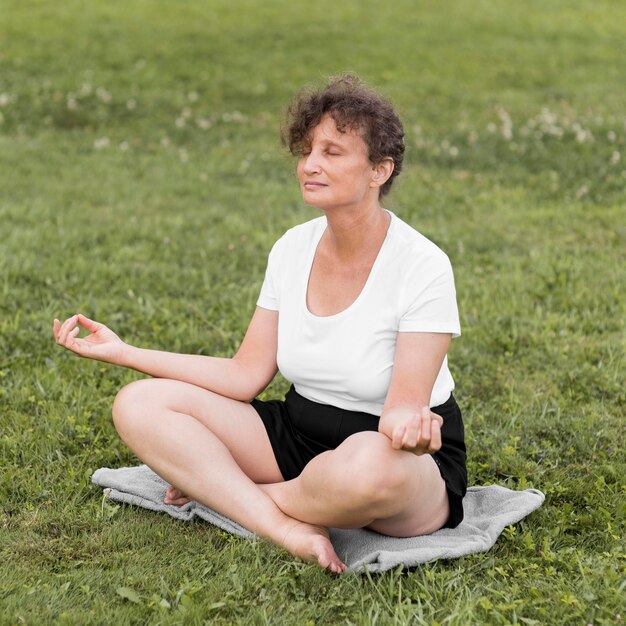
<point>488,510</point>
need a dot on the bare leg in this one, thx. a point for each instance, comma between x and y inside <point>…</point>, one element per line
<point>365,482</point>
<point>214,449</point>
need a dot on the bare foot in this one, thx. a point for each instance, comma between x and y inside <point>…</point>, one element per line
<point>175,496</point>
<point>307,541</point>
<point>312,543</point>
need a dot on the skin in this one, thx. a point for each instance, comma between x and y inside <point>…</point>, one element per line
<point>193,424</point>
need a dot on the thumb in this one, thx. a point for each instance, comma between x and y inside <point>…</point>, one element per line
<point>427,413</point>
<point>89,324</point>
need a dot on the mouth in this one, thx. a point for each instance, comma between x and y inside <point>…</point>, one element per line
<point>310,184</point>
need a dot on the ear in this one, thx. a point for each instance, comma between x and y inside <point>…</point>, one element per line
<point>381,172</point>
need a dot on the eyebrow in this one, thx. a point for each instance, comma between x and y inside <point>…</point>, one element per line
<point>326,143</point>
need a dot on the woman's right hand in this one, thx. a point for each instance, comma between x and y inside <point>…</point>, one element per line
<point>102,344</point>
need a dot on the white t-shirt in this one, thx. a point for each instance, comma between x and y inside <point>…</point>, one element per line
<point>346,359</point>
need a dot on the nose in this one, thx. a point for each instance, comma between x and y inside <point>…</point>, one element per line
<point>310,163</point>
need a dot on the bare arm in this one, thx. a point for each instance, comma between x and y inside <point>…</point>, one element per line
<point>241,377</point>
<point>406,418</point>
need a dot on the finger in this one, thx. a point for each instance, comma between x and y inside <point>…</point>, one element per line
<point>89,324</point>
<point>398,437</point>
<point>412,432</point>
<point>435,437</point>
<point>437,418</point>
<point>59,331</point>
<point>56,326</point>
<point>66,328</point>
<point>424,439</point>
<point>70,341</point>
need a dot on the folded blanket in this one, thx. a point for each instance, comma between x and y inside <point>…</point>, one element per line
<point>488,510</point>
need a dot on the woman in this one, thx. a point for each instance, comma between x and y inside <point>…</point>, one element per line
<point>357,309</point>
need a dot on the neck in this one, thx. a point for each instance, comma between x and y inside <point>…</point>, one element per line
<point>350,233</point>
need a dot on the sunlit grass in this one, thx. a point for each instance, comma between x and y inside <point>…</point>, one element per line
<point>142,182</point>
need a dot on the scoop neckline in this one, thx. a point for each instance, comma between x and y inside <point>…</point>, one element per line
<point>368,282</point>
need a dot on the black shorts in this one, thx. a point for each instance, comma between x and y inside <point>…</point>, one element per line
<point>300,429</point>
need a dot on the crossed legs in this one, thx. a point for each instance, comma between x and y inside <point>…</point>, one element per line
<point>365,482</point>
<point>215,450</point>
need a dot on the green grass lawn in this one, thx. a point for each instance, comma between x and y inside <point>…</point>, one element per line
<point>142,182</point>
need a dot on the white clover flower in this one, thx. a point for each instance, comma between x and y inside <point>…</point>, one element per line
<point>102,142</point>
<point>611,136</point>
<point>203,123</point>
<point>615,157</point>
<point>124,146</point>
<point>5,98</point>
<point>554,130</point>
<point>86,89</point>
<point>582,191</point>
<point>183,155</point>
<point>235,116</point>
<point>186,113</point>
<point>583,135</point>
<point>103,95</point>
<point>491,127</point>
<point>472,137</point>
<point>193,96</point>
<point>547,117</point>
<point>72,104</point>
<point>131,104</point>
<point>507,123</point>
<point>180,122</point>
<point>165,141</point>
<point>454,151</point>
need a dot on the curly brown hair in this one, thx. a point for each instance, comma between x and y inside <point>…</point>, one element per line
<point>353,106</point>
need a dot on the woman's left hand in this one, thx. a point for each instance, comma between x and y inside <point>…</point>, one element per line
<point>418,431</point>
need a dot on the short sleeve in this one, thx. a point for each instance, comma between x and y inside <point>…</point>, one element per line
<point>430,299</point>
<point>268,298</point>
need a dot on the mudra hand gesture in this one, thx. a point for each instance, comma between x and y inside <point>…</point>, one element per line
<point>418,431</point>
<point>102,344</point>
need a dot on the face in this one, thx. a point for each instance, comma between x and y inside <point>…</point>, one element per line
<point>334,170</point>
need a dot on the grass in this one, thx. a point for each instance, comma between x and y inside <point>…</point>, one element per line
<point>142,182</point>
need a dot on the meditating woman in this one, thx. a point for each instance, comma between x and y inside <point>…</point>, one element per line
<point>357,310</point>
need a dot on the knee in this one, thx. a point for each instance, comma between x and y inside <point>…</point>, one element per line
<point>378,471</point>
<point>129,407</point>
